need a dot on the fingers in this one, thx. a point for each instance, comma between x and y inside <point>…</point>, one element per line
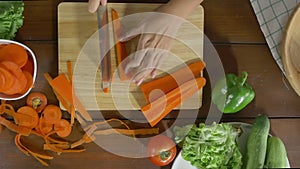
<point>149,65</point>
<point>94,4</point>
<point>103,2</point>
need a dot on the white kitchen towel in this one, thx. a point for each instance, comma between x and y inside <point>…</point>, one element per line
<point>272,16</point>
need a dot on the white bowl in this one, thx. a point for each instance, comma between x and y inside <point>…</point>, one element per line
<point>30,54</point>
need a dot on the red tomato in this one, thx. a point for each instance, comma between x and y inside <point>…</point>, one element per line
<point>161,150</point>
<point>37,100</point>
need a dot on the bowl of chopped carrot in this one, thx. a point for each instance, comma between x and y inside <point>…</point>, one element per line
<point>18,68</point>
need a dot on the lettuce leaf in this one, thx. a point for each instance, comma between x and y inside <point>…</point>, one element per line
<point>210,146</point>
<point>11,18</point>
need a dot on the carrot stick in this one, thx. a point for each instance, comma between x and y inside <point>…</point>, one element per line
<point>63,87</point>
<point>52,114</point>
<point>171,81</point>
<point>162,106</point>
<point>14,53</point>
<point>120,46</point>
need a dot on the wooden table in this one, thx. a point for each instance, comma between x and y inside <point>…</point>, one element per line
<point>232,27</point>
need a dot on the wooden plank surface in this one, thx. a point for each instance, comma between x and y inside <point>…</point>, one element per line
<point>232,27</point>
<point>96,157</point>
<point>78,42</point>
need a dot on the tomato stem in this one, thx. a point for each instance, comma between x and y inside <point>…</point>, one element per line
<point>36,102</point>
<point>164,154</point>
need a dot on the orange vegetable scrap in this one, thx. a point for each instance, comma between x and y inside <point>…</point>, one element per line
<point>64,92</point>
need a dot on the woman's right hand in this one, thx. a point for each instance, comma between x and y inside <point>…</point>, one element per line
<point>94,4</point>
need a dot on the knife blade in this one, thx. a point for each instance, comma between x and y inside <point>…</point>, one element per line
<point>102,17</point>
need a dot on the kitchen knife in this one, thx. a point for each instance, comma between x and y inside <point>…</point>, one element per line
<point>102,17</point>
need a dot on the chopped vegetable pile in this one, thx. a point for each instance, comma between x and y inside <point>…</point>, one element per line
<point>210,146</point>
<point>11,18</point>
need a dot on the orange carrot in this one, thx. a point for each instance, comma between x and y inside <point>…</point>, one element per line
<point>63,128</point>
<point>29,82</point>
<point>62,86</point>
<point>14,53</point>
<point>52,114</point>
<point>6,79</point>
<point>21,80</point>
<point>120,46</point>
<point>21,119</point>
<point>17,129</point>
<point>44,127</point>
<point>171,81</point>
<point>158,109</point>
<point>2,46</point>
<point>28,66</point>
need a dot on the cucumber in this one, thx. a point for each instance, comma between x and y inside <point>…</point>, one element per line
<point>257,143</point>
<point>276,154</point>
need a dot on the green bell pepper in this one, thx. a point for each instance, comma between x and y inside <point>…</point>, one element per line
<point>232,93</point>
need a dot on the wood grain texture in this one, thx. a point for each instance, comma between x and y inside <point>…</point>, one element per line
<point>78,41</point>
<point>225,21</point>
<point>232,27</point>
<point>95,157</point>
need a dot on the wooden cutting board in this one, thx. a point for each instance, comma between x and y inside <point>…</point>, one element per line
<point>78,37</point>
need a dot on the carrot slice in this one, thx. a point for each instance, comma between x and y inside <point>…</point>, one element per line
<point>63,128</point>
<point>14,53</point>
<point>120,46</point>
<point>29,66</point>
<point>171,81</point>
<point>44,127</point>
<point>22,120</point>
<point>161,107</point>
<point>63,87</point>
<point>6,79</point>
<point>21,80</point>
<point>2,46</point>
<point>52,114</point>
<point>29,82</point>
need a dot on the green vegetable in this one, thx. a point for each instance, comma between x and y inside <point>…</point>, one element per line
<point>11,18</point>
<point>276,154</point>
<point>232,93</point>
<point>210,146</point>
<point>257,143</point>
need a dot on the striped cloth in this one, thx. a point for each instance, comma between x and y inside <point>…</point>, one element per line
<point>272,16</point>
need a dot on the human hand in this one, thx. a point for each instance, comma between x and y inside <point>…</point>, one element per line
<point>157,31</point>
<point>94,4</point>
